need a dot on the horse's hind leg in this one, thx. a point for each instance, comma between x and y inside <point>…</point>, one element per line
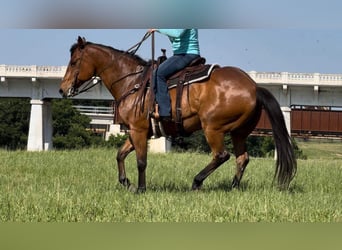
<point>220,155</point>
<point>242,158</point>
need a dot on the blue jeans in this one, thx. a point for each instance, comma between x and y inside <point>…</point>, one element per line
<point>162,73</point>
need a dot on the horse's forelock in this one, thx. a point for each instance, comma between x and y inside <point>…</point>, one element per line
<point>77,46</point>
<point>73,48</point>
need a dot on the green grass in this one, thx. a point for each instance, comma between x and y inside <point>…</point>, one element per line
<point>83,186</point>
<point>321,149</point>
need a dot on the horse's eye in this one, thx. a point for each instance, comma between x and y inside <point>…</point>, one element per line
<point>74,62</point>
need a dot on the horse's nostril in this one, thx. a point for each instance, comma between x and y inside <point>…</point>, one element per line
<point>61,92</point>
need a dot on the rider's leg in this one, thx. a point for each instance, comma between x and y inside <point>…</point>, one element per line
<point>165,70</point>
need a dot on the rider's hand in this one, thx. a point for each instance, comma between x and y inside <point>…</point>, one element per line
<point>151,30</point>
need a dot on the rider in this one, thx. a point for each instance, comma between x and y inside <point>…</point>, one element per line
<point>185,49</point>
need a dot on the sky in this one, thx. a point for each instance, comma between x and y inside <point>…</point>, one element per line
<point>264,36</point>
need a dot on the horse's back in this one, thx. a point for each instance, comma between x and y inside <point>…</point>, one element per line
<point>233,77</point>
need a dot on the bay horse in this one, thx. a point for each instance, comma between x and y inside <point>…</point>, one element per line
<point>229,101</point>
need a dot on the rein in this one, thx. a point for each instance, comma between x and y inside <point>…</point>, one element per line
<point>135,47</point>
<point>88,85</point>
<point>140,70</point>
<point>135,88</point>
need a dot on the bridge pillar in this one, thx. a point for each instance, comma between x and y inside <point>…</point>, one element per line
<point>287,117</point>
<point>159,145</point>
<point>40,128</point>
<point>114,129</point>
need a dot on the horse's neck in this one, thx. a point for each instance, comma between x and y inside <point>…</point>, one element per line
<point>117,74</point>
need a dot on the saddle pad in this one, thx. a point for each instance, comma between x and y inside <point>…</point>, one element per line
<point>193,76</point>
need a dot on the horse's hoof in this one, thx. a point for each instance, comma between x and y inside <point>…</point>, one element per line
<point>196,186</point>
<point>141,190</point>
<point>196,189</point>
<point>131,188</point>
<point>235,183</point>
<point>125,182</point>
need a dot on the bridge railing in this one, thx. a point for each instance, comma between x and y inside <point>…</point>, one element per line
<point>94,110</point>
<point>297,78</point>
<point>32,71</point>
<point>259,77</point>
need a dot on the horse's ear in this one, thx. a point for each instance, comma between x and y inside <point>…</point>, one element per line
<point>81,42</point>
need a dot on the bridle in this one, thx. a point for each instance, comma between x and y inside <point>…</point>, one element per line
<point>92,82</point>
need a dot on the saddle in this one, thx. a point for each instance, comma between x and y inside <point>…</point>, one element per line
<point>196,71</point>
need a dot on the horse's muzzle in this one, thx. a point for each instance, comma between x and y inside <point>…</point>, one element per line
<point>61,92</point>
<point>70,93</point>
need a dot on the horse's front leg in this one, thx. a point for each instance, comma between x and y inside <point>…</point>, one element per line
<point>126,148</point>
<point>139,141</point>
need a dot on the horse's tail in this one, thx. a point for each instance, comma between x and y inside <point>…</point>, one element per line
<point>286,164</point>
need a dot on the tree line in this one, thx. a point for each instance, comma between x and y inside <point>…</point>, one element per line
<point>70,130</point>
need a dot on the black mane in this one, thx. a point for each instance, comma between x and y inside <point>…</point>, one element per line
<point>133,56</point>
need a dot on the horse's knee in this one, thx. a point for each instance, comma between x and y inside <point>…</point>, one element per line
<point>121,155</point>
<point>142,165</point>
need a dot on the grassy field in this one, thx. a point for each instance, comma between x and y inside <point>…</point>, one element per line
<point>322,149</point>
<point>82,186</point>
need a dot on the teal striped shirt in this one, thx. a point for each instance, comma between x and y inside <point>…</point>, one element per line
<point>184,41</point>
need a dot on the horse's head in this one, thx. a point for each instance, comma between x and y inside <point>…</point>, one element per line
<point>79,70</point>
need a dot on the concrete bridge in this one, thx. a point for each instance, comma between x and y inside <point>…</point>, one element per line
<point>41,83</point>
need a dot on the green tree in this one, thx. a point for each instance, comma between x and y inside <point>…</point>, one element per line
<point>64,115</point>
<point>195,142</point>
<point>257,146</point>
<point>260,146</point>
<point>69,126</point>
<point>14,117</point>
<point>115,141</point>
